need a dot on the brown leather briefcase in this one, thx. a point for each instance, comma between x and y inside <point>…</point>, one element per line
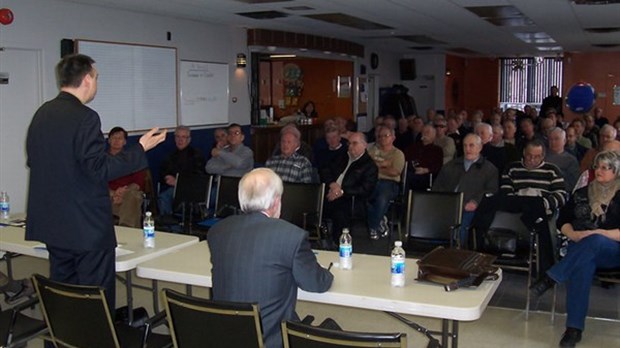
<point>455,268</point>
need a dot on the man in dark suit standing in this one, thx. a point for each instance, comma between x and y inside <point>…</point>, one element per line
<point>257,257</point>
<point>68,201</point>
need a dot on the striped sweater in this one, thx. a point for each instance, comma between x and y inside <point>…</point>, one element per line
<point>546,181</point>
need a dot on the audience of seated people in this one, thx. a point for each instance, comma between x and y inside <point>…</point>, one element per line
<point>606,135</point>
<point>232,158</point>
<point>127,192</point>
<point>184,159</point>
<point>390,162</point>
<point>350,175</point>
<point>290,165</point>
<point>471,174</point>
<point>303,148</point>
<point>426,160</point>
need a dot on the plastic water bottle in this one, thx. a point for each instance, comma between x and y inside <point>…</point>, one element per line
<point>346,249</point>
<point>5,205</point>
<point>149,230</point>
<point>398,264</point>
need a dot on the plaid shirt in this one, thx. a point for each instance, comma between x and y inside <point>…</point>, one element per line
<point>295,168</point>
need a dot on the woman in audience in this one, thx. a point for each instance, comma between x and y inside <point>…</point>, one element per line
<point>591,221</point>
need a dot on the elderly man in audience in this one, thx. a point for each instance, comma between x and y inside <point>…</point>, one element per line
<point>567,163</point>
<point>591,221</point>
<point>329,147</point>
<point>221,138</point>
<point>537,189</point>
<point>572,146</point>
<point>442,140</point>
<point>512,154</point>
<point>607,134</point>
<point>126,192</point>
<point>234,159</point>
<point>390,162</point>
<point>426,159</point>
<point>349,175</point>
<point>303,149</point>
<point>184,160</point>
<point>289,164</point>
<point>256,257</point>
<point>473,175</point>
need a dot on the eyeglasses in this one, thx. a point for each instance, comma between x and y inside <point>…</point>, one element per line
<point>234,132</point>
<point>440,126</point>
<point>602,167</point>
<point>384,135</point>
<point>181,137</point>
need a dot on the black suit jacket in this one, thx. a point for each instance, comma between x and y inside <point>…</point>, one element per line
<point>260,259</point>
<point>360,179</point>
<point>68,200</point>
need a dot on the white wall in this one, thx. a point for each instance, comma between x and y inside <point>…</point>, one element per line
<point>428,87</point>
<point>41,24</point>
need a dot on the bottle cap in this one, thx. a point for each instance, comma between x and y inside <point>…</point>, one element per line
<point>398,243</point>
<point>148,213</point>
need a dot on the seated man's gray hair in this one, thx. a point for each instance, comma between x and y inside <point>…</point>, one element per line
<point>258,189</point>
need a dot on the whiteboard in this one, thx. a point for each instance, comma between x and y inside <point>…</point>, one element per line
<point>204,93</point>
<point>137,84</point>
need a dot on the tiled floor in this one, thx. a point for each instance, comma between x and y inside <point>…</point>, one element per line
<point>498,327</point>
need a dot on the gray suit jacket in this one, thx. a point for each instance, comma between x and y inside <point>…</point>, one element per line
<point>259,259</point>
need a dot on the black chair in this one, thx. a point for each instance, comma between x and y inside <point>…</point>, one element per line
<point>302,205</point>
<point>16,328</point>
<point>78,316</point>
<point>202,323</point>
<point>298,335</point>
<point>433,218</point>
<point>191,195</point>
<point>515,246</point>
<point>227,198</point>
<point>396,210</point>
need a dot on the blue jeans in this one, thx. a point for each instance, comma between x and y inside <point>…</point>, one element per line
<point>379,202</point>
<point>577,270</point>
<point>467,218</point>
<point>164,201</point>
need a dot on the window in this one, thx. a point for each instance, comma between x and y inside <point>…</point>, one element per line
<point>527,80</point>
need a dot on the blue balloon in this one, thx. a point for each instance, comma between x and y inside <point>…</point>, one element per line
<point>581,97</point>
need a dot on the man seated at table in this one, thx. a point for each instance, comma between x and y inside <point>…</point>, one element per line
<point>257,257</point>
<point>184,160</point>
<point>289,164</point>
<point>126,192</point>
<point>471,174</point>
<point>354,174</point>
<point>234,158</point>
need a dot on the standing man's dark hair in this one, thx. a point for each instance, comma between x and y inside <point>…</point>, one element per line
<point>70,71</point>
<point>68,199</point>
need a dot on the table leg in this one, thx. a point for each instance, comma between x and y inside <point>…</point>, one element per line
<point>455,333</point>
<point>445,332</point>
<point>155,297</point>
<point>129,296</point>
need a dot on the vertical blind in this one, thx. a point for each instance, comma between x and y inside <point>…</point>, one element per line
<point>527,80</point>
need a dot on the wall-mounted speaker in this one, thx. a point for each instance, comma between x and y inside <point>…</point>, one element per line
<point>407,69</point>
<point>67,46</point>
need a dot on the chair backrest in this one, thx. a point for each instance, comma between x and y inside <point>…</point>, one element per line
<point>302,204</point>
<point>298,335</point>
<point>433,216</point>
<point>192,188</point>
<point>76,315</point>
<point>227,200</point>
<point>202,323</point>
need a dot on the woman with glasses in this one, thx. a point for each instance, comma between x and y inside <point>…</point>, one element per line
<point>591,221</point>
